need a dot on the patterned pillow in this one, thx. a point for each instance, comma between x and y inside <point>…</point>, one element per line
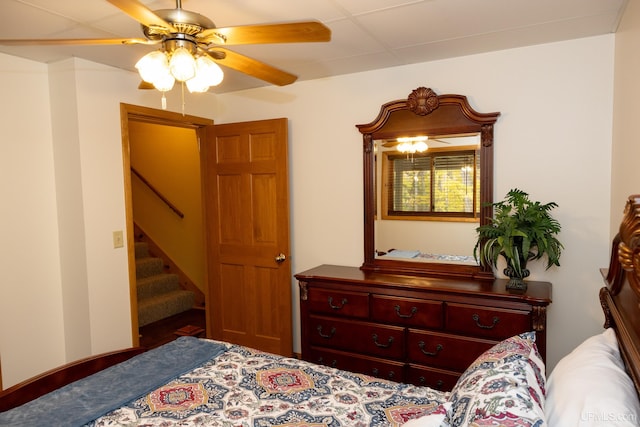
<point>504,386</point>
<point>436,418</point>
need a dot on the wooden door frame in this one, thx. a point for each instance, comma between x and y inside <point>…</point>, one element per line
<point>129,112</point>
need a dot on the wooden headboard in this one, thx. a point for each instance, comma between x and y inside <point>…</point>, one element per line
<point>620,298</point>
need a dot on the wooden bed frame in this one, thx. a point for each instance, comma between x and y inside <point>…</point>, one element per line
<point>46,382</point>
<point>620,299</point>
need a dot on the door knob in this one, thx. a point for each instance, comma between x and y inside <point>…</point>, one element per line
<point>280,258</point>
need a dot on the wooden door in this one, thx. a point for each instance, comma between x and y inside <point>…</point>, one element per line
<point>247,215</point>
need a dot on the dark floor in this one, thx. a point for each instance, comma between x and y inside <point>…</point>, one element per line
<point>163,331</point>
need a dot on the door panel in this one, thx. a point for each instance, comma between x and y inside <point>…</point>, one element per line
<point>267,298</point>
<point>231,223</point>
<point>232,291</point>
<point>247,210</point>
<point>265,230</point>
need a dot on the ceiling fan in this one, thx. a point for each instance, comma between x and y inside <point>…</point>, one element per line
<point>180,29</point>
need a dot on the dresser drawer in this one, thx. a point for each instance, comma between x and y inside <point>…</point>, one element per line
<point>359,337</point>
<point>486,322</point>
<point>438,379</point>
<point>343,303</point>
<point>379,368</point>
<point>408,311</point>
<point>445,351</point>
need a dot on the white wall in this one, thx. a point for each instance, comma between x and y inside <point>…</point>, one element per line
<point>552,140</point>
<point>30,299</point>
<point>625,176</point>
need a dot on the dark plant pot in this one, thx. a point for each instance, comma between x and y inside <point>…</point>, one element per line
<point>516,281</point>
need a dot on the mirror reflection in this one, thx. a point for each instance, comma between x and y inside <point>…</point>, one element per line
<point>427,197</point>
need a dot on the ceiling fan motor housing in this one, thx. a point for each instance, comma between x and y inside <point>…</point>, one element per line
<point>184,21</point>
<point>172,43</point>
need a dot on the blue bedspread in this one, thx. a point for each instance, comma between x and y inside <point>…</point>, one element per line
<point>85,400</point>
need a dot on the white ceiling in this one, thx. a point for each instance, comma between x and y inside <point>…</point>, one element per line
<point>366,34</point>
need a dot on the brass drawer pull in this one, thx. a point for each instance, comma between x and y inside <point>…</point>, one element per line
<point>337,307</point>
<point>496,319</point>
<point>414,310</point>
<point>439,348</point>
<point>329,335</point>
<point>387,345</point>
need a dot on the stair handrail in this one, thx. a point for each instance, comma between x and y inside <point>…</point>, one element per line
<point>157,193</point>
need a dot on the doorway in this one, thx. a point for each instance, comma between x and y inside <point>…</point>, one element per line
<point>131,117</point>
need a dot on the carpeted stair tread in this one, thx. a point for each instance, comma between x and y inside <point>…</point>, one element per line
<point>159,293</point>
<point>164,305</point>
<point>148,266</point>
<point>157,284</point>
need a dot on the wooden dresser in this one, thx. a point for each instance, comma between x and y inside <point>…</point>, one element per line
<point>419,330</point>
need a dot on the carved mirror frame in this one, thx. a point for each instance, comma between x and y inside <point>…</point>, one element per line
<point>425,112</point>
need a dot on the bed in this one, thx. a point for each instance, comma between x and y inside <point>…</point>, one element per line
<point>202,382</point>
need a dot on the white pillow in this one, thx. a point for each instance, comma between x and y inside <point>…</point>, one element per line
<point>590,387</point>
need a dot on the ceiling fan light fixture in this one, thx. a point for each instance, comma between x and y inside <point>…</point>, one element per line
<point>208,74</point>
<point>182,64</point>
<point>164,82</point>
<point>156,68</point>
<point>416,144</point>
<point>152,66</point>
<point>197,85</point>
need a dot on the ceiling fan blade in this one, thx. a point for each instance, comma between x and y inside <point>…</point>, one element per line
<point>145,85</point>
<point>254,68</point>
<point>45,42</point>
<point>296,32</point>
<point>142,14</point>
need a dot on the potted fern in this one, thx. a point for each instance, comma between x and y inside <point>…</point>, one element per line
<point>520,231</point>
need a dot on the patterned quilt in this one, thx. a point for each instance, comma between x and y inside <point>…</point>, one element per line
<point>245,387</point>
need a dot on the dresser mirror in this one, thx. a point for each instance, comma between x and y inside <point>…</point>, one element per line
<point>428,183</point>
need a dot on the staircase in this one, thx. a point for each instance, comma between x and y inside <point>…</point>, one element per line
<point>159,293</point>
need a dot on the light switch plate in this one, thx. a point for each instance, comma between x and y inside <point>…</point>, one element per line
<point>118,239</point>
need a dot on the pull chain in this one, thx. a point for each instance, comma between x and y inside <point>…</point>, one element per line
<point>183,102</point>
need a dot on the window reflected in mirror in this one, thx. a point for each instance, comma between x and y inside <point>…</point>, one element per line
<point>441,182</point>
